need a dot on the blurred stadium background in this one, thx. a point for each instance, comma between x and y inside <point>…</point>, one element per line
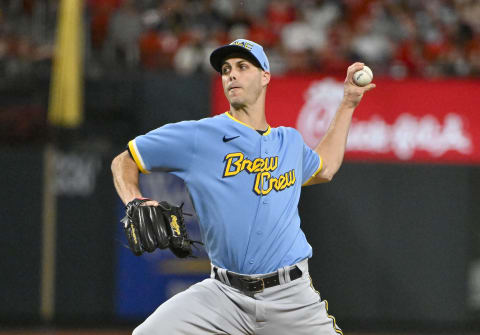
<point>395,236</point>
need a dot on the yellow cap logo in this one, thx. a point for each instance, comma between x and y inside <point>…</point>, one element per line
<point>243,44</point>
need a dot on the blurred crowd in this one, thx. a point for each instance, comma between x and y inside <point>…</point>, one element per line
<point>398,38</point>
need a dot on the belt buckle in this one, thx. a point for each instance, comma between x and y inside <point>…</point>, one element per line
<point>258,280</point>
<point>260,290</point>
<point>254,282</point>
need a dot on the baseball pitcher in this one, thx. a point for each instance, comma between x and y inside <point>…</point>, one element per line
<point>244,178</point>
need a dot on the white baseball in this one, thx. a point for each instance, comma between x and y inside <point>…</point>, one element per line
<point>363,77</point>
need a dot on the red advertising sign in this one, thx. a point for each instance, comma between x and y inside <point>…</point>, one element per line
<point>409,120</point>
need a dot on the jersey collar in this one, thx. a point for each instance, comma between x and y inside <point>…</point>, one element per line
<point>269,129</point>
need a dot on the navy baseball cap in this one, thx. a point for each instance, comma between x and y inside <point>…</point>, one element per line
<point>251,50</point>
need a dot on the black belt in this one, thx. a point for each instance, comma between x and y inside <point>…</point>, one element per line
<point>256,285</point>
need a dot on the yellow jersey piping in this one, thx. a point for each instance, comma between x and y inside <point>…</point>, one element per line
<point>136,157</point>
<point>269,129</point>
<point>320,165</point>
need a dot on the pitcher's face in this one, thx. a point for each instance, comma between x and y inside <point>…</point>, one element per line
<point>242,82</point>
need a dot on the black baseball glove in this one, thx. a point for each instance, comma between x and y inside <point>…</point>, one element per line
<point>151,227</point>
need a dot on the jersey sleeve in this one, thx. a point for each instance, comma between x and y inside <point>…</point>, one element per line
<point>169,148</point>
<point>312,164</point>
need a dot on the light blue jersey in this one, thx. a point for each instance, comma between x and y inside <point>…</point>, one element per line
<point>245,187</point>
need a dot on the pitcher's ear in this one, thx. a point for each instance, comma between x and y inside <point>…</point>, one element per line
<point>265,78</point>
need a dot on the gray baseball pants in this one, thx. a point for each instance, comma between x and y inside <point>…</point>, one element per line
<point>213,307</point>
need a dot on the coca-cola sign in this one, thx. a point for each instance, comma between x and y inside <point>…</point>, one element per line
<point>411,120</point>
